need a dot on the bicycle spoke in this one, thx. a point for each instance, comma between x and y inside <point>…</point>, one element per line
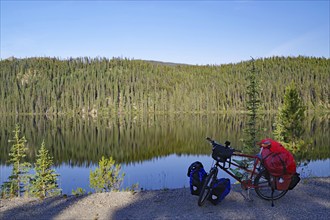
<point>264,189</point>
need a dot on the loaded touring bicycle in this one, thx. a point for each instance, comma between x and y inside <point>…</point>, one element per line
<point>251,171</point>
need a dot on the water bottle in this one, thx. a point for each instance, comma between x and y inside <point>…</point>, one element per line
<point>245,176</point>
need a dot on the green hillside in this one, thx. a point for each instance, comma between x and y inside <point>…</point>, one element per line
<point>103,86</point>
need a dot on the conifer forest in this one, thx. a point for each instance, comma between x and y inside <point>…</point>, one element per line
<point>101,86</point>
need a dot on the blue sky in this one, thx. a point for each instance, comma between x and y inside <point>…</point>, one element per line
<point>192,32</point>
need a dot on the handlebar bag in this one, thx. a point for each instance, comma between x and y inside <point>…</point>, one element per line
<point>221,153</point>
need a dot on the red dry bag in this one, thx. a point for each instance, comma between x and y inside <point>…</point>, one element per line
<point>276,159</point>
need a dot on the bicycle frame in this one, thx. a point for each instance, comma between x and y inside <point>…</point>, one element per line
<point>248,183</point>
<point>259,178</point>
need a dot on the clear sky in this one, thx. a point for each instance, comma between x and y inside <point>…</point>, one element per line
<point>192,32</point>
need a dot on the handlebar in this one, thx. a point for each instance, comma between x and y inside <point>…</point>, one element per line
<point>227,144</point>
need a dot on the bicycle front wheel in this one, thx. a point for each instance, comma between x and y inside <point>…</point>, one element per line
<point>264,189</point>
<point>206,189</point>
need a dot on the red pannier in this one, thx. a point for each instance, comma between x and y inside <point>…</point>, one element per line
<point>276,159</point>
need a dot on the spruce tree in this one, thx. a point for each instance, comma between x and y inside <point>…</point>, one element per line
<point>44,183</point>
<point>19,177</point>
<point>253,104</point>
<point>289,123</point>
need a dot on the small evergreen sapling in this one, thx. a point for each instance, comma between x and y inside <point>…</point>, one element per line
<point>107,176</point>
<point>44,183</point>
<point>78,192</point>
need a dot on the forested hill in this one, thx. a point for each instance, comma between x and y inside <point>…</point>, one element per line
<point>111,86</point>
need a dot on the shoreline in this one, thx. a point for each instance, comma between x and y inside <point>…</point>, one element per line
<point>309,200</point>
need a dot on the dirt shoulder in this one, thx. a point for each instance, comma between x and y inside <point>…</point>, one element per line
<point>309,200</point>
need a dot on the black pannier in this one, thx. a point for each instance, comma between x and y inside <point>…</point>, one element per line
<point>295,179</point>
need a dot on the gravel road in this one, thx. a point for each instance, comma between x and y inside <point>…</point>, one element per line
<point>309,200</point>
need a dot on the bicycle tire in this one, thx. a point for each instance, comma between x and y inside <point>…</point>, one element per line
<point>206,189</point>
<point>264,189</point>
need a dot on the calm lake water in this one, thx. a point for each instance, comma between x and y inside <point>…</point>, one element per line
<point>154,151</point>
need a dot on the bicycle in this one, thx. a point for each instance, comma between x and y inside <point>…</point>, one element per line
<point>256,178</point>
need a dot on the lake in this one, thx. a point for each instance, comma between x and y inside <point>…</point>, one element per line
<point>155,151</point>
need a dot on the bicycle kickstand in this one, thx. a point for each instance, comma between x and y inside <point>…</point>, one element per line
<point>247,196</point>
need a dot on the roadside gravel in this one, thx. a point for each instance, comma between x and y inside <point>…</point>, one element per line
<point>309,200</point>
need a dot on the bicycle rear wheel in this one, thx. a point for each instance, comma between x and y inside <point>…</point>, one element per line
<point>206,189</point>
<point>264,189</point>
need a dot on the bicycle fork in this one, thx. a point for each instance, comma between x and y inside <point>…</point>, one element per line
<point>214,172</point>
